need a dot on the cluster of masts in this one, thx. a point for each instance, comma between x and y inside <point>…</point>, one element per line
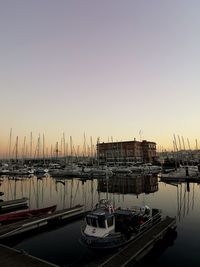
<point>32,149</point>
<point>179,143</point>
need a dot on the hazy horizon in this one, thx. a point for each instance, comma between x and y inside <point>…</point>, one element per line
<point>110,69</point>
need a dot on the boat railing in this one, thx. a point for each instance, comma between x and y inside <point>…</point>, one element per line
<point>134,208</point>
<point>151,221</point>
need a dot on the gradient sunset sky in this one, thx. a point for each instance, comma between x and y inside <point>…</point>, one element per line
<point>111,69</point>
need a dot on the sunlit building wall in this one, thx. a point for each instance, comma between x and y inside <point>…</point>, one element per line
<point>125,152</point>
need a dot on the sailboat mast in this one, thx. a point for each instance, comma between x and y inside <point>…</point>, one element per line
<point>183,143</point>
<point>56,151</point>
<point>16,150</point>
<point>43,147</point>
<point>71,149</point>
<point>91,149</point>
<point>84,147</point>
<point>175,143</point>
<point>9,149</point>
<point>38,151</point>
<point>98,141</point>
<point>188,143</point>
<point>24,150</point>
<point>196,144</point>
<point>179,140</point>
<point>64,148</point>
<point>31,142</point>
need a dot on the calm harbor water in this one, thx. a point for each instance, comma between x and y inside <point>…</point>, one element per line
<point>61,245</point>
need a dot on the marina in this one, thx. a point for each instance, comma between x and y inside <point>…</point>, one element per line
<point>63,227</point>
<point>140,246</point>
<point>99,140</point>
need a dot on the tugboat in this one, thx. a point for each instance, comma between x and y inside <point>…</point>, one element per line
<point>107,227</point>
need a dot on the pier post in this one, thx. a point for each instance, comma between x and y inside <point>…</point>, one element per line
<point>187,171</point>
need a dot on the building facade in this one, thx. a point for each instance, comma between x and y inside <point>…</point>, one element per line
<point>126,152</point>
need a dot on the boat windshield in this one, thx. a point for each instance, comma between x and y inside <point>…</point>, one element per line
<point>110,221</point>
<point>91,221</point>
<point>101,222</point>
<point>96,221</point>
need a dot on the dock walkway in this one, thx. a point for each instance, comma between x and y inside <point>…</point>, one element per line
<point>11,204</point>
<point>33,223</point>
<point>10,257</point>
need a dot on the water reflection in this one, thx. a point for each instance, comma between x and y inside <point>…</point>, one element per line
<point>185,199</point>
<point>180,200</point>
<point>129,185</point>
<point>43,191</point>
<point>65,193</point>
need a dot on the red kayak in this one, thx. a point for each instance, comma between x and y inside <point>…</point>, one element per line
<point>16,216</point>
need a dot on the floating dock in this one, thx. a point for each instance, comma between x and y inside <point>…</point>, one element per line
<point>139,247</point>
<point>180,179</point>
<point>12,204</point>
<point>10,257</point>
<point>127,256</point>
<point>38,222</point>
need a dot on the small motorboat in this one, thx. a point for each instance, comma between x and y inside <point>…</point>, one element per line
<point>107,227</point>
<point>26,214</point>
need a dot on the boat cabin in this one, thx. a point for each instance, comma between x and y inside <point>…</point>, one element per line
<point>130,219</point>
<point>99,223</point>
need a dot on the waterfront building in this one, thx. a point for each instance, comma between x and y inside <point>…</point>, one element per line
<point>126,152</point>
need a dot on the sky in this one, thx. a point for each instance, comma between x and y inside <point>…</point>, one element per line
<point>113,70</point>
